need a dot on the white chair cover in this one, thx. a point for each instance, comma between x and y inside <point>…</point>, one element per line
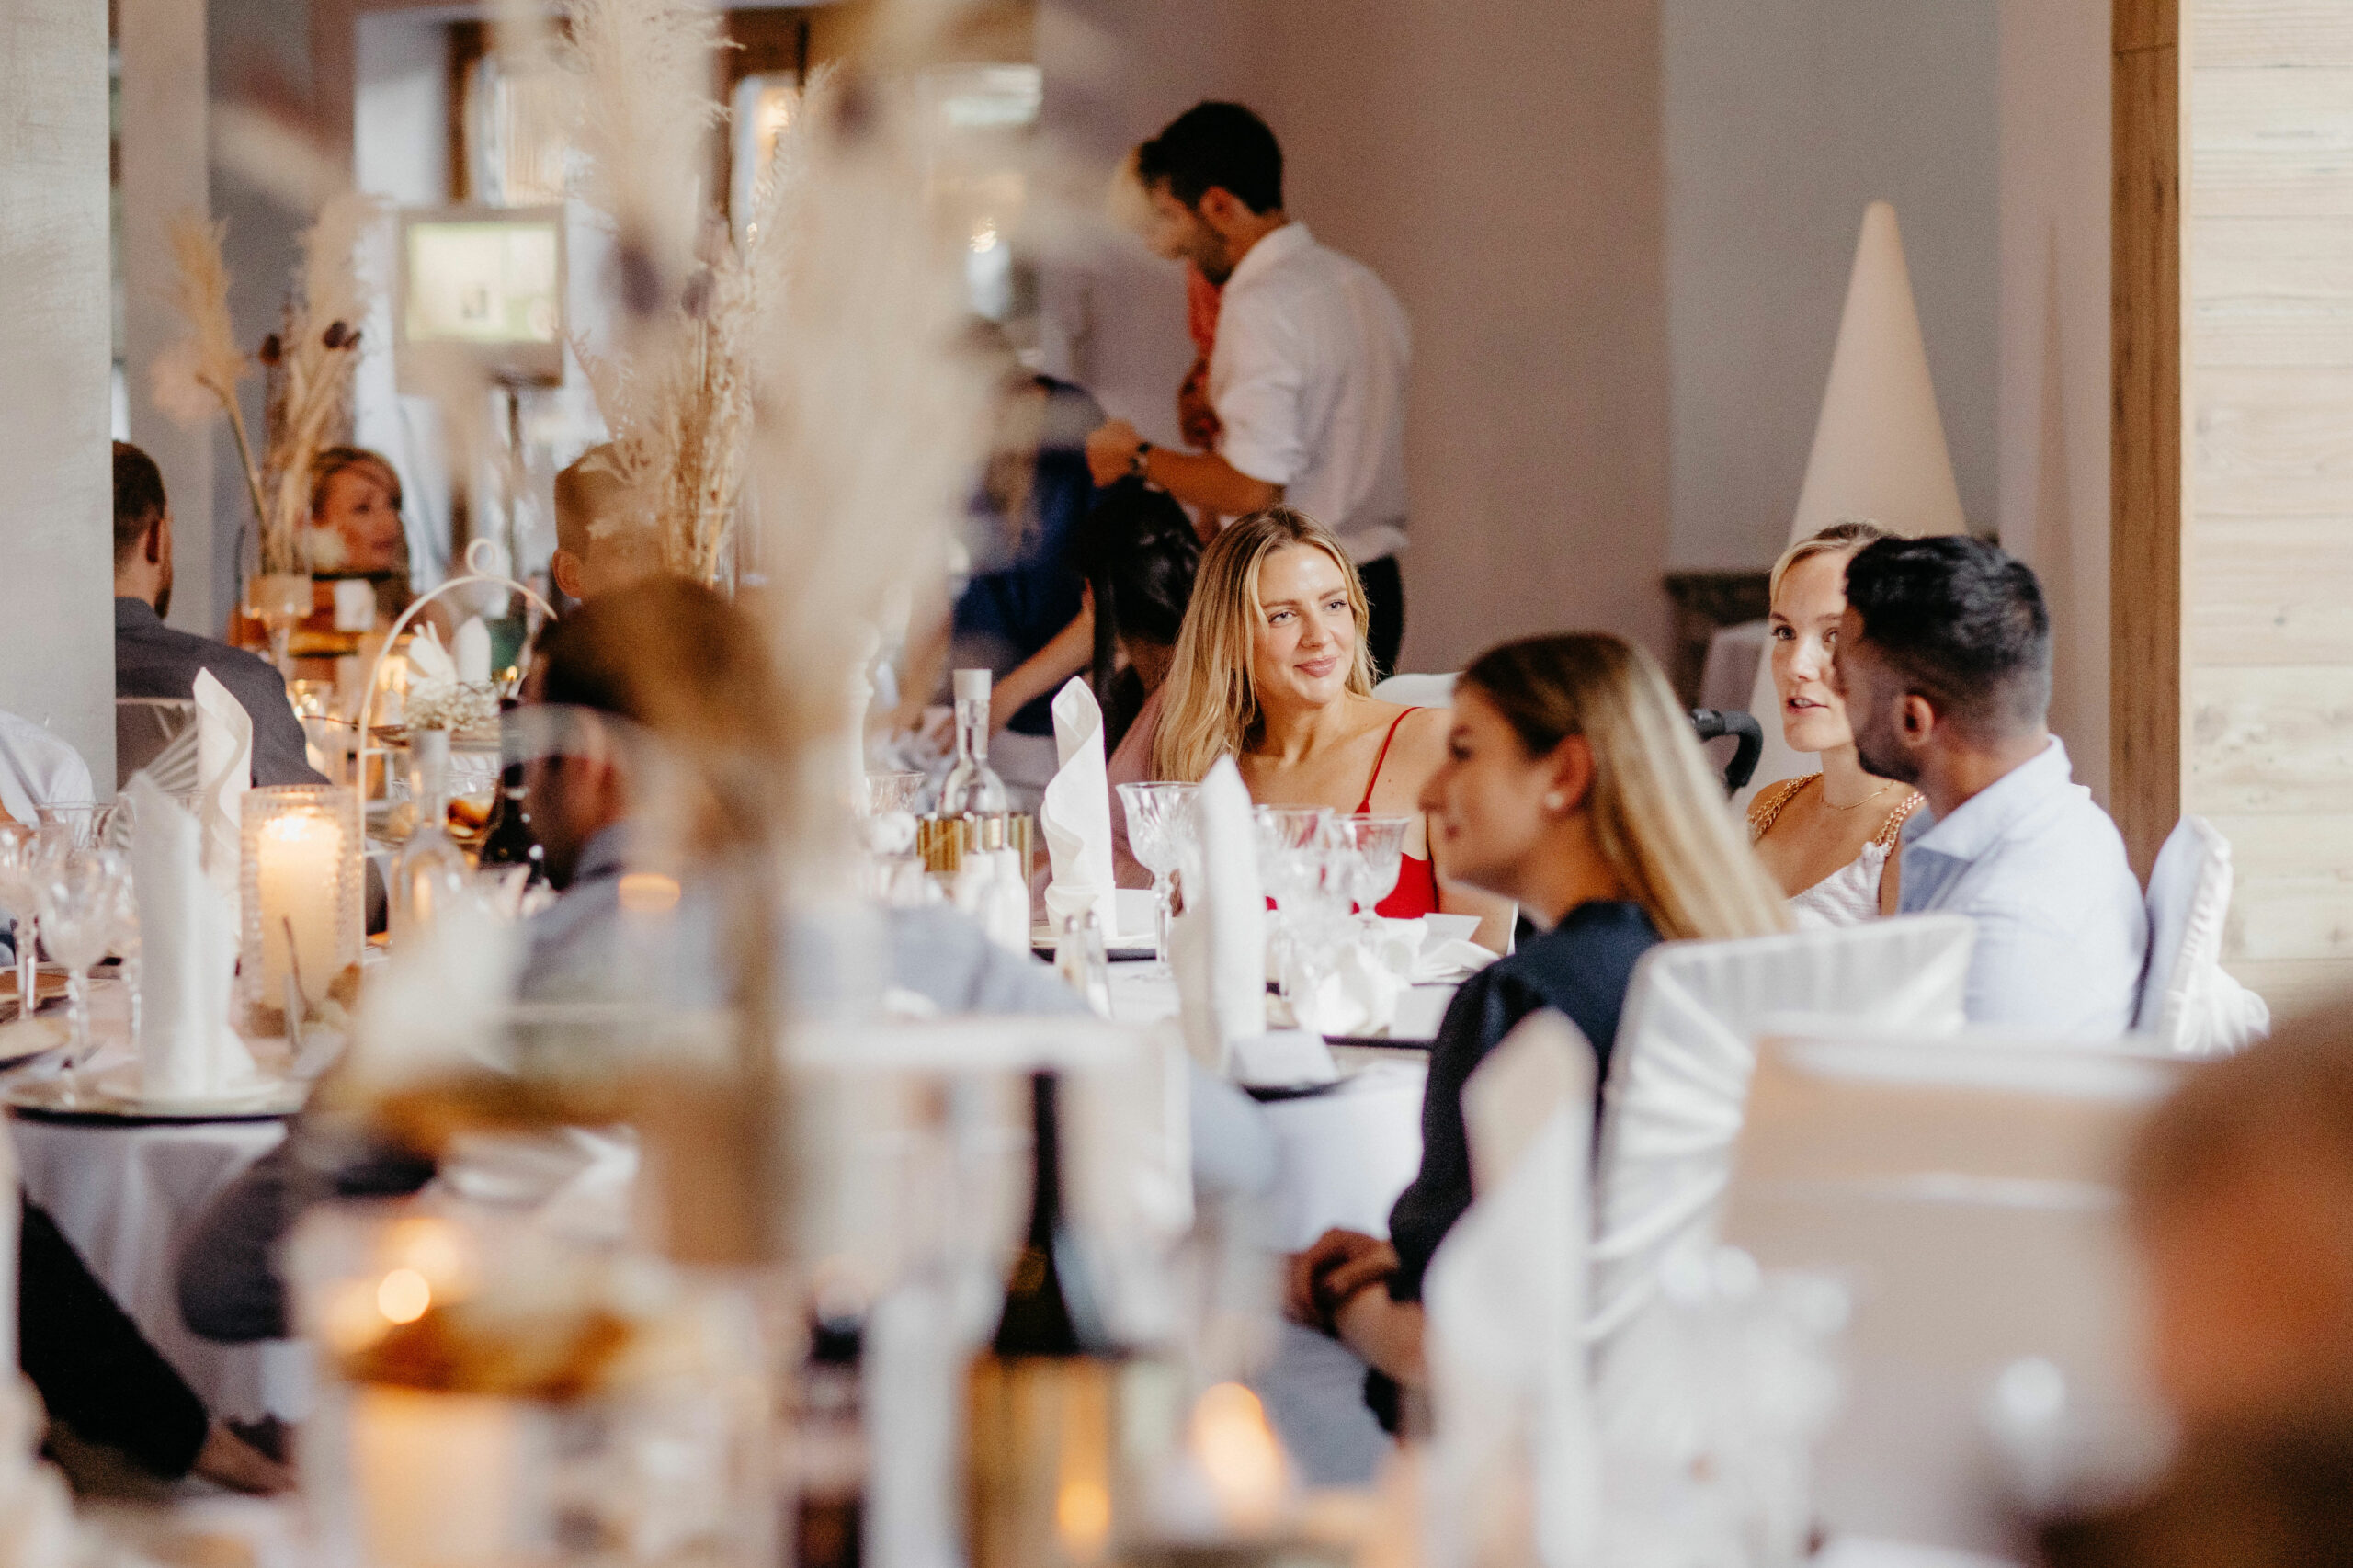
<point>1418,691</point>
<point>1687,1044</point>
<point>1967,1187</point>
<point>2187,1000</point>
<point>1504,1294</point>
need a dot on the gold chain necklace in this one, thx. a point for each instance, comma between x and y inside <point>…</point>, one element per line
<point>1829,805</point>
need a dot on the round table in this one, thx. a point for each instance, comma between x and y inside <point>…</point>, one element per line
<point>125,1194</point>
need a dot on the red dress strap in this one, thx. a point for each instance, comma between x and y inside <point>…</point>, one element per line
<point>1386,742</point>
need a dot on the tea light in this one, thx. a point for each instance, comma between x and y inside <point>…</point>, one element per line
<point>1240,1457</point>
<point>301,890</point>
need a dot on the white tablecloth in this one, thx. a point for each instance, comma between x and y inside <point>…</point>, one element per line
<point>1341,1160</point>
<point>126,1195</point>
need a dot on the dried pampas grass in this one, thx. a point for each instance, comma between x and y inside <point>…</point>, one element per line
<point>873,417</point>
<point>200,374</point>
<point>310,367</point>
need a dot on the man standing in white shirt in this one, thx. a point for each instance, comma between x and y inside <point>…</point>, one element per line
<point>1308,375</point>
<point>1944,662</point>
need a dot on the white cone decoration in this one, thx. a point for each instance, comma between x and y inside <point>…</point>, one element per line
<point>1879,449</point>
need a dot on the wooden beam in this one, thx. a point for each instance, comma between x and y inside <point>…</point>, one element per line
<point>2146,435</point>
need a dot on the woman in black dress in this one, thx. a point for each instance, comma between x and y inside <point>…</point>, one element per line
<point>1572,783</point>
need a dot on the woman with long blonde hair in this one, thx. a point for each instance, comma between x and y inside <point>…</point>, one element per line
<point>1829,838</point>
<point>1574,785</point>
<point>1272,669</point>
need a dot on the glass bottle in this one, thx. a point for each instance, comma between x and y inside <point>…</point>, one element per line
<point>431,869</point>
<point>972,788</point>
<point>507,839</point>
<point>1040,1417</point>
<point>829,1446</point>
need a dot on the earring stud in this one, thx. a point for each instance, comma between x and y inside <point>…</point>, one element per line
<point>1555,800</point>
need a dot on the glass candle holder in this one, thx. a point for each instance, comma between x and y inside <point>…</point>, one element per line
<point>304,902</point>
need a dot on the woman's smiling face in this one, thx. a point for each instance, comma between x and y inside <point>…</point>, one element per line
<point>1304,643</point>
<point>1804,629</point>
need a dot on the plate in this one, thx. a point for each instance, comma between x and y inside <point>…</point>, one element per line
<point>115,1097</point>
<point>29,1040</point>
<point>48,985</point>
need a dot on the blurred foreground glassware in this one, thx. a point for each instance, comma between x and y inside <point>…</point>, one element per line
<point>79,895</point>
<point>492,1393</point>
<point>898,790</point>
<point>1160,824</point>
<point>973,788</point>
<point>20,896</point>
<point>430,870</point>
<point>1082,962</point>
<point>76,825</point>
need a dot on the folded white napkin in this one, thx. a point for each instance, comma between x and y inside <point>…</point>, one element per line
<point>225,753</point>
<point>1075,816</point>
<point>469,651</point>
<point>428,661</point>
<point>1221,939</point>
<point>188,948</point>
<point>1507,1378</point>
<point>1350,989</point>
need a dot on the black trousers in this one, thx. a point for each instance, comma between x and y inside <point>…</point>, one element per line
<point>1384,595</point>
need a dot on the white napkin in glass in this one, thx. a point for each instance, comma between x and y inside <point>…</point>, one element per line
<point>1350,989</point>
<point>1075,816</point>
<point>188,957</point>
<point>1504,1295</point>
<point>1221,939</point>
<point>225,771</point>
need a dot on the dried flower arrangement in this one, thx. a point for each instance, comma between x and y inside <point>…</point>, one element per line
<point>437,699</point>
<point>307,363</point>
<point>677,395</point>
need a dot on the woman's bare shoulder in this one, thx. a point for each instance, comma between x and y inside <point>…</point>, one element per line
<point>1420,744</point>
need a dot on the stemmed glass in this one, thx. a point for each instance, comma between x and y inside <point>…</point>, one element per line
<point>82,826</point>
<point>1160,829</point>
<point>1290,857</point>
<point>1371,855</point>
<point>80,892</point>
<point>20,896</point>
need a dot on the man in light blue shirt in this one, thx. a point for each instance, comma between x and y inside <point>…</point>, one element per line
<point>1944,662</point>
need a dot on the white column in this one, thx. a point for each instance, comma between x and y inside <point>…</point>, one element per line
<point>56,559</point>
<point>165,172</point>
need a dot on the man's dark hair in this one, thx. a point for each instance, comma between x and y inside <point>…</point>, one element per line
<point>1962,622</point>
<point>1215,144</point>
<point>138,498</point>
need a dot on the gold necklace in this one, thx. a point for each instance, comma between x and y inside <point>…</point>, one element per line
<point>1829,805</point>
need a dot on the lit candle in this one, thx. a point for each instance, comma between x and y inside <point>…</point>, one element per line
<point>298,874</point>
<point>443,1479</point>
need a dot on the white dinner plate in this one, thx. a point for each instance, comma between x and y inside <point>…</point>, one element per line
<point>116,1096</point>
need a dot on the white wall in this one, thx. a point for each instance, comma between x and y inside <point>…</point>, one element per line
<point>56,511</point>
<point>1499,164</point>
<point>1783,119</point>
<point>2054,493</point>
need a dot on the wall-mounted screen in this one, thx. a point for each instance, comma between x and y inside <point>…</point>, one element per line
<point>486,283</point>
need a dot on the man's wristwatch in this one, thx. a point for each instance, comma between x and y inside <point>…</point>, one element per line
<point>1136,462</point>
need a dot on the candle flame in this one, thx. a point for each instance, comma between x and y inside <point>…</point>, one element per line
<point>1240,1454</point>
<point>1083,1517</point>
<point>404,1296</point>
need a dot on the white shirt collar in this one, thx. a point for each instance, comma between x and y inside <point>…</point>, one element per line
<point>1272,250</point>
<point>1980,822</point>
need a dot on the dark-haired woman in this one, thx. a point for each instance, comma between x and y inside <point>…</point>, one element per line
<point>1572,784</point>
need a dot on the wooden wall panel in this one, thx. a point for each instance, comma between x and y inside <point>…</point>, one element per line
<point>2267,385</point>
<point>2146,435</point>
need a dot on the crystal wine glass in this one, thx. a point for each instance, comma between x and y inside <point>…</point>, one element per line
<point>1374,851</point>
<point>1291,840</point>
<point>79,895</point>
<point>20,896</point>
<point>1159,826</point>
<point>78,825</point>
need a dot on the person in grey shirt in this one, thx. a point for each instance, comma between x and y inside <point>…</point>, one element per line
<point>152,659</point>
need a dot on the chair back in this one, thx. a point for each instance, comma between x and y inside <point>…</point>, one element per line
<point>2187,1002</point>
<point>1687,1046</point>
<point>1966,1187</point>
<point>1418,691</point>
<point>145,729</point>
